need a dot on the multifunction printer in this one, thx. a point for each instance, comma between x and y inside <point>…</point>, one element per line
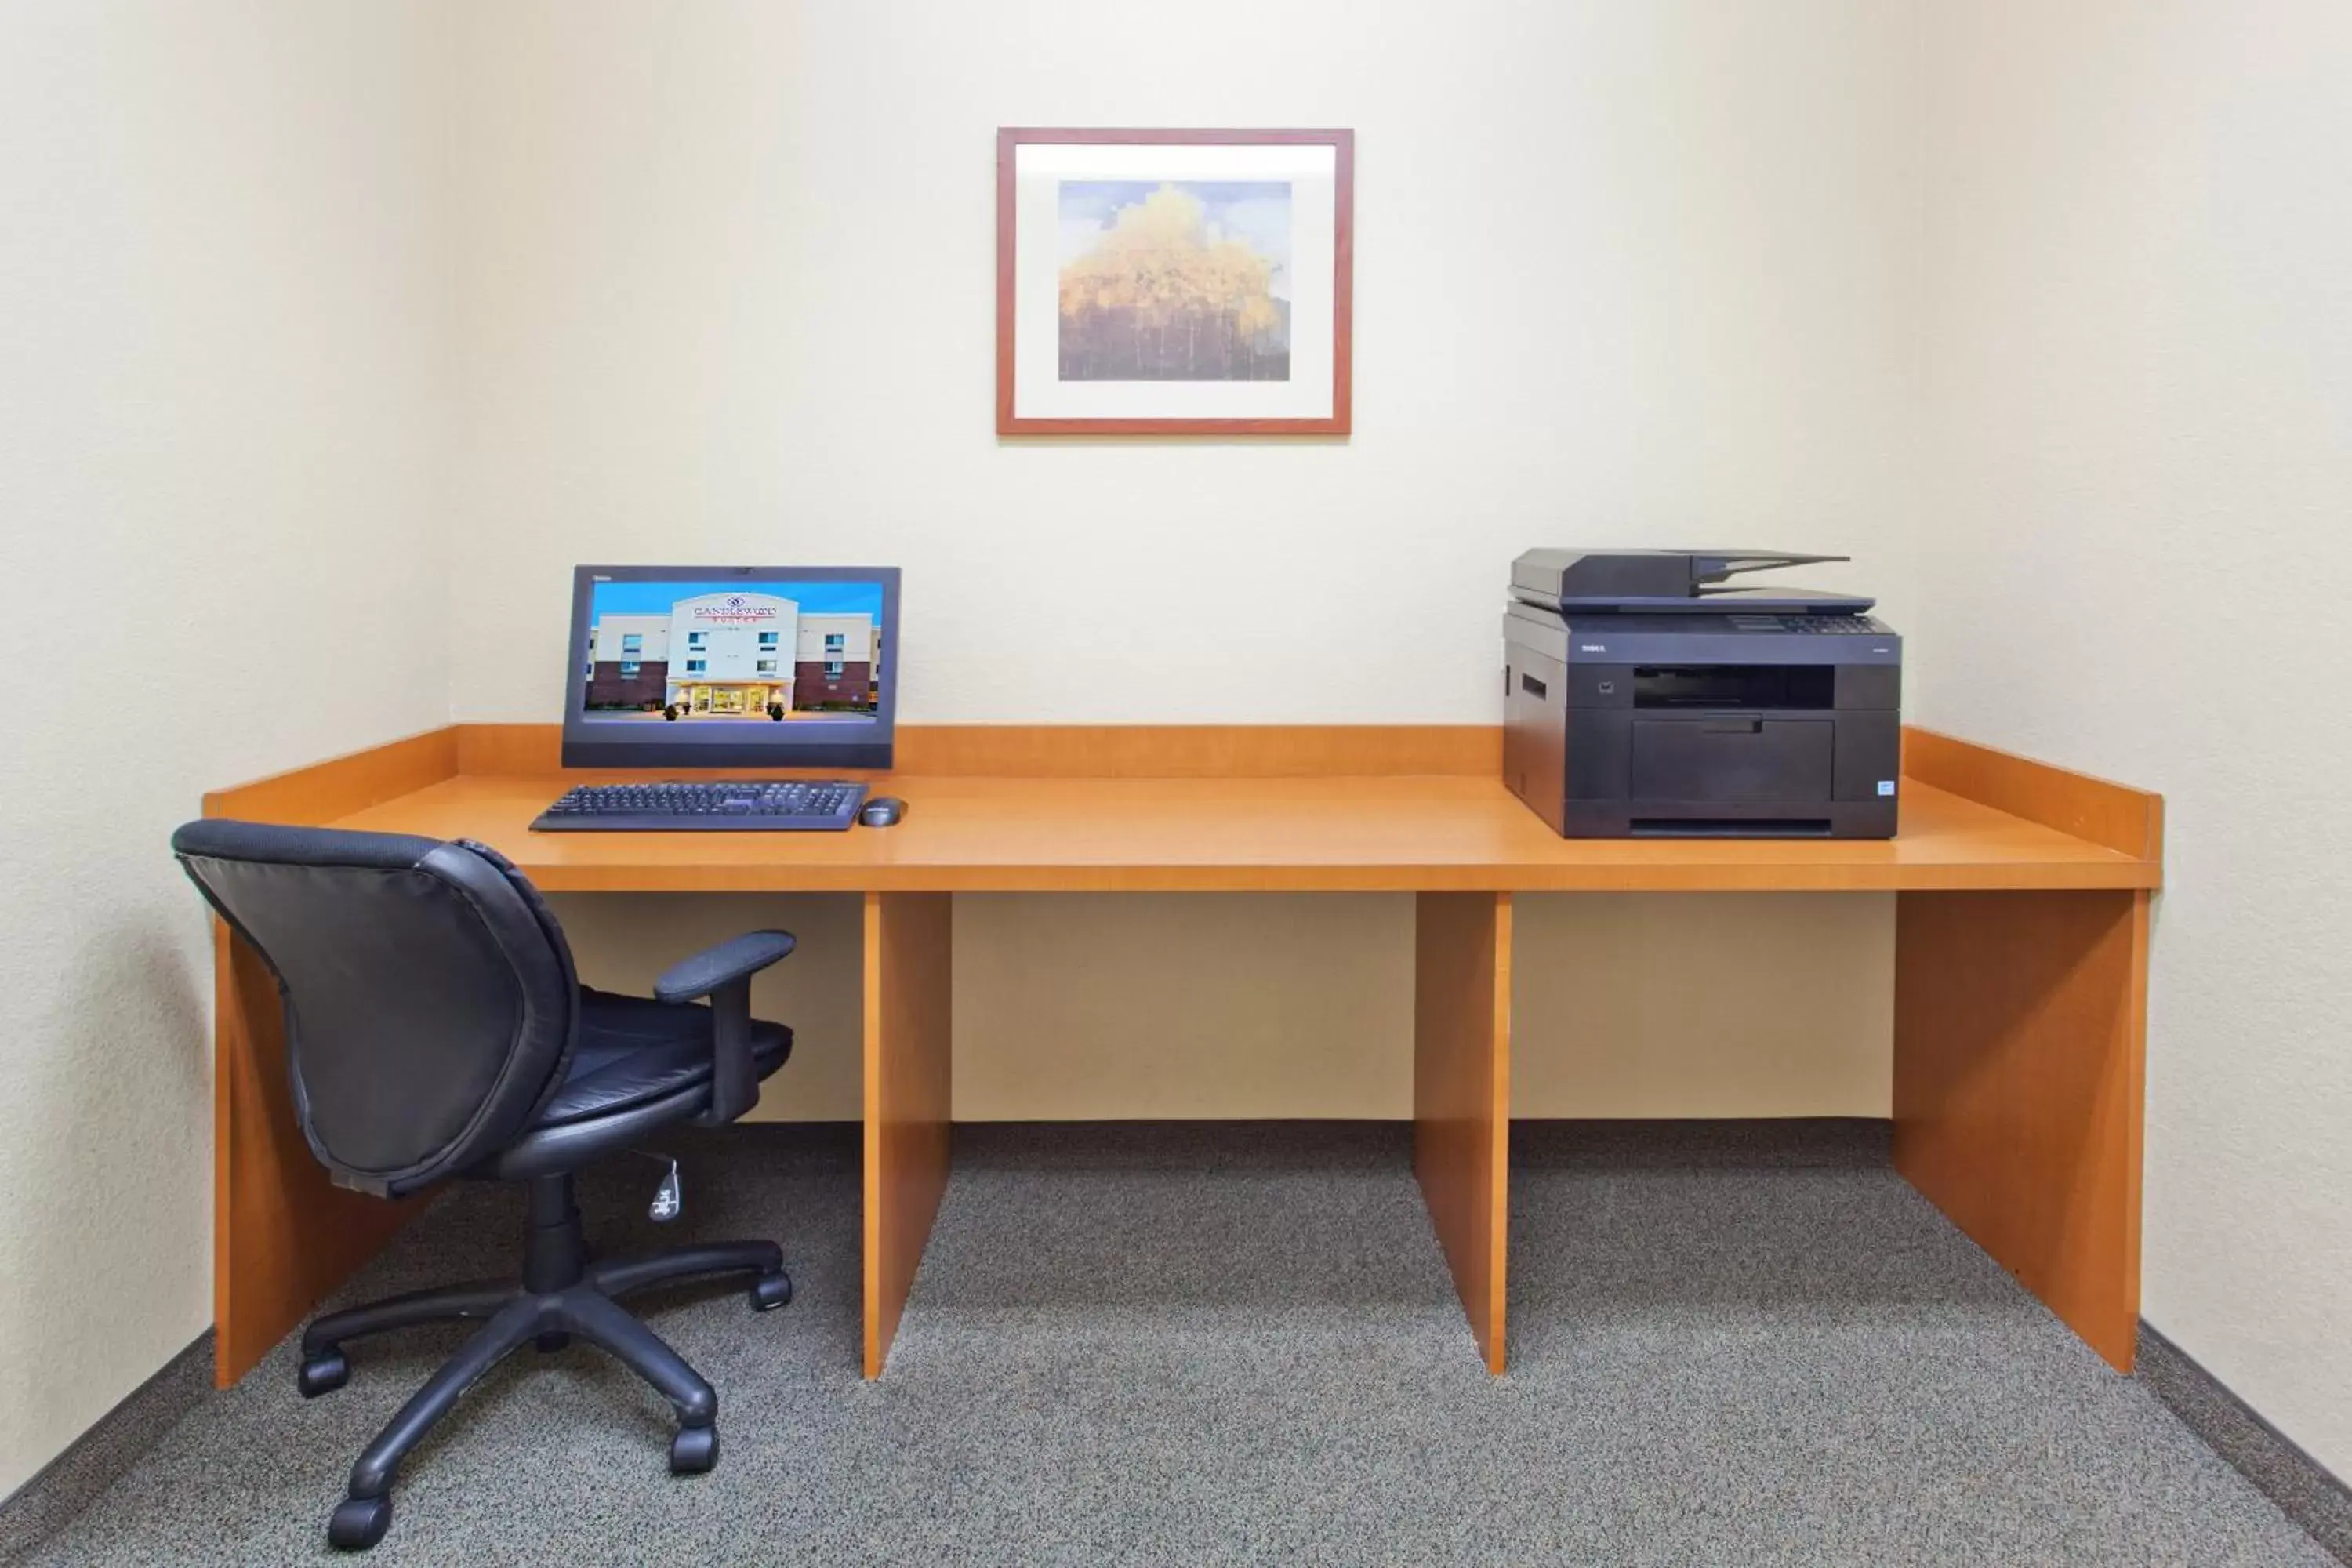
<point>1645,699</point>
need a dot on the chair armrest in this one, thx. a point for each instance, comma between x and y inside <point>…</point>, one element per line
<point>738,958</point>
<point>724,974</point>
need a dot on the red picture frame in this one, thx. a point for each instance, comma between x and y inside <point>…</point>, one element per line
<point>1337,423</point>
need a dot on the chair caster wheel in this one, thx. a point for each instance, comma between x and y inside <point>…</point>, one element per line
<point>556,1340</point>
<point>322,1374</point>
<point>694,1450</point>
<point>358,1523</point>
<point>770,1292</point>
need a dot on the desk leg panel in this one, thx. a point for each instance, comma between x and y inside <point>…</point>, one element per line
<point>2020,1042</point>
<point>284,1236</point>
<point>1461,1093</point>
<point>910,965</point>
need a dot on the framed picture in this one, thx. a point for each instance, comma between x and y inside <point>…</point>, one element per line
<point>1173,282</point>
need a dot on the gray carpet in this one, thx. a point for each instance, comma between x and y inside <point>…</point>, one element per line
<point>1238,1344</point>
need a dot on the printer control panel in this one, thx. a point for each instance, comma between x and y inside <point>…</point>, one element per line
<point>1843,625</point>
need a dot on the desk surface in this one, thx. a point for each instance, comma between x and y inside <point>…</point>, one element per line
<point>1124,834</point>
<point>2019,1028</point>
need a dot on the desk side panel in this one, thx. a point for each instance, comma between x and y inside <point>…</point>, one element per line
<point>284,1236</point>
<point>2020,1048</point>
<point>1461,1094</point>
<point>910,972</point>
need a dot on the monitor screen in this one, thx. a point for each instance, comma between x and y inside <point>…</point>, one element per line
<point>731,667</point>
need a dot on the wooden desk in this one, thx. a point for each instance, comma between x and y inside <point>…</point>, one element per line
<point>2021,942</point>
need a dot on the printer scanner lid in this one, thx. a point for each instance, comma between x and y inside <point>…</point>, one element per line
<point>1666,580</point>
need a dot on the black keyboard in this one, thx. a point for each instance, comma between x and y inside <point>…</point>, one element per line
<point>768,805</point>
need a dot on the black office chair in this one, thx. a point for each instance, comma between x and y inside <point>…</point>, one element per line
<point>433,1029</point>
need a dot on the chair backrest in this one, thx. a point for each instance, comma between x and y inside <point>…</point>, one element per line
<point>431,1003</point>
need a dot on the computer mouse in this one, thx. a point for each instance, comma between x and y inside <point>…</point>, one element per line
<point>882,811</point>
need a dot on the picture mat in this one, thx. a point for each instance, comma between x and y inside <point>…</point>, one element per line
<point>1039,168</point>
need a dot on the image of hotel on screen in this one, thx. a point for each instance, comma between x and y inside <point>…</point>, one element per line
<point>711,652</point>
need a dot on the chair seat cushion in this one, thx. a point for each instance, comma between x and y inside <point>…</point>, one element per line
<point>633,1049</point>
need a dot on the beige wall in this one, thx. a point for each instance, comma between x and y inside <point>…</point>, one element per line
<point>1695,1004</point>
<point>1175,1005</point>
<point>2139,326</point>
<point>224,386</point>
<point>1626,273</point>
<point>1636,273</point>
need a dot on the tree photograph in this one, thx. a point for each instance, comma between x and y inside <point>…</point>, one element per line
<point>1182,280</point>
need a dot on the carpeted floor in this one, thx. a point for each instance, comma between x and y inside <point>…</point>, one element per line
<point>1239,1344</point>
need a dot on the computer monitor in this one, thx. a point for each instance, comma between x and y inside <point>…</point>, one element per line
<point>786,666</point>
